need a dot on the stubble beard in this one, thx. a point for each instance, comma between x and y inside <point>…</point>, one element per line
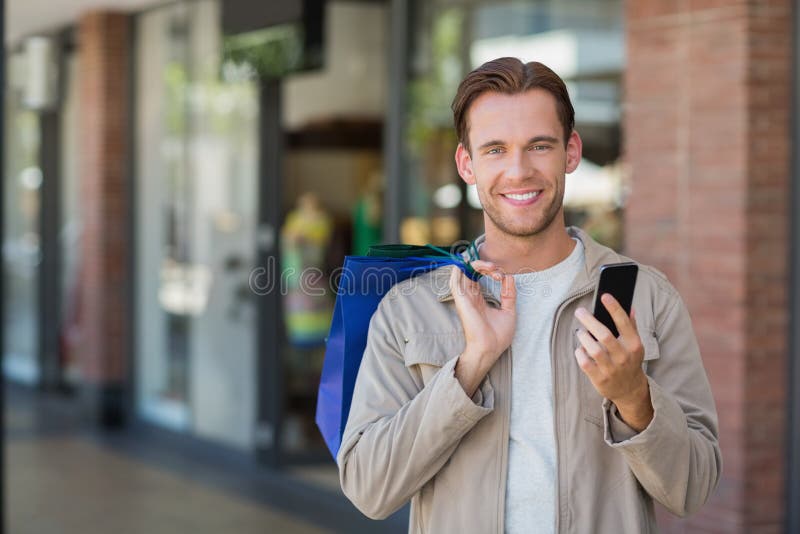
<point>531,229</point>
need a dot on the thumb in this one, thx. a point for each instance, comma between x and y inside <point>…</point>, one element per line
<point>458,286</point>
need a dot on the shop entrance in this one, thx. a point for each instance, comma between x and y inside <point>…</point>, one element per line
<point>322,162</point>
<point>241,169</point>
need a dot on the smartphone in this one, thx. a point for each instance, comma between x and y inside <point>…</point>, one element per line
<point>618,279</point>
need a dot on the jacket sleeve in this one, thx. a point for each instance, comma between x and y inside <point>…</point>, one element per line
<point>677,458</point>
<point>399,433</point>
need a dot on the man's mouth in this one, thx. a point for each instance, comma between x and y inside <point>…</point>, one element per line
<point>522,196</point>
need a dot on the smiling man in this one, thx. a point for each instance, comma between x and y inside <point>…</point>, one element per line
<point>503,405</point>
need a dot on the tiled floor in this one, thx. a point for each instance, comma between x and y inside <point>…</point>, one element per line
<point>64,477</point>
<point>67,485</point>
<point>325,477</point>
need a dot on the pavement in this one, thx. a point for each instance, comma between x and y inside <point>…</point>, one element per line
<point>65,478</point>
<point>67,485</point>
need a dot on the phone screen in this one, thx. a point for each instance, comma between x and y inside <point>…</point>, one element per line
<point>618,279</point>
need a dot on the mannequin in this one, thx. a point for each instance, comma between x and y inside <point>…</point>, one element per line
<point>305,237</point>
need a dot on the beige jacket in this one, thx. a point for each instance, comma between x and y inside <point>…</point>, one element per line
<point>413,433</point>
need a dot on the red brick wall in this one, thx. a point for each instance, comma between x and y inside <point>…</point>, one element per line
<point>104,104</point>
<point>769,86</point>
<point>706,124</point>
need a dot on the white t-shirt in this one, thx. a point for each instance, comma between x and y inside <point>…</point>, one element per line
<point>530,487</point>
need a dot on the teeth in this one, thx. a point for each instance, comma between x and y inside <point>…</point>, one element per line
<point>525,196</point>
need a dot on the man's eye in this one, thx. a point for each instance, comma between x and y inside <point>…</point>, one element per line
<point>494,150</point>
<point>539,148</point>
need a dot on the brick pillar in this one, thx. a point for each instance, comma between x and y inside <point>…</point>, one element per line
<point>707,139</point>
<point>103,38</point>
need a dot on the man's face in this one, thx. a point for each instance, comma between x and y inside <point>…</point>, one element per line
<point>518,161</point>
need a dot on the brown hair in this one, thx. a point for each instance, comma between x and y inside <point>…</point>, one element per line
<point>509,75</point>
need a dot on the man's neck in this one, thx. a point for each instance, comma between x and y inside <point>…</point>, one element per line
<point>527,254</point>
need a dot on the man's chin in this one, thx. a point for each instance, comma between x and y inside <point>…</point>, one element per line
<point>523,232</point>
<point>531,229</point>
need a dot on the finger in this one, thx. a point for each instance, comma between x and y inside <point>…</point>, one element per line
<point>633,320</point>
<point>618,315</point>
<point>593,349</point>
<point>483,264</point>
<point>487,268</point>
<point>463,289</point>
<point>465,308</point>
<point>457,289</point>
<point>587,365</point>
<point>508,293</point>
<point>454,273</point>
<point>602,334</point>
<point>455,286</point>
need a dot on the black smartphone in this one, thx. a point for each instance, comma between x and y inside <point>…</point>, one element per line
<point>618,279</point>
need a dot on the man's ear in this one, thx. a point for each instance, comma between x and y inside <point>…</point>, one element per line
<point>574,151</point>
<point>464,164</point>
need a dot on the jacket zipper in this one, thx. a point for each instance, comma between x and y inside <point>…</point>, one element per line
<point>553,364</point>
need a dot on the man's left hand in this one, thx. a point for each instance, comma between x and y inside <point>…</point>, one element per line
<point>614,365</point>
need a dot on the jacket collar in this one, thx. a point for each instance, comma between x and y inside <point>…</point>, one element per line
<point>595,255</point>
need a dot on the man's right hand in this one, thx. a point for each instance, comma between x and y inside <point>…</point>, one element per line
<point>488,330</point>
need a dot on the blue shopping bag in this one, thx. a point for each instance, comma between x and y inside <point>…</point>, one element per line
<point>364,282</point>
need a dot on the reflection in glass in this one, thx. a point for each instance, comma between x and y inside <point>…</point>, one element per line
<point>21,252</point>
<point>197,170</point>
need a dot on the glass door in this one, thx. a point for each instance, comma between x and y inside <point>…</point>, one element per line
<point>21,242</point>
<point>196,211</point>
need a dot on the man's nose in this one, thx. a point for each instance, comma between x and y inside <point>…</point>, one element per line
<point>519,165</point>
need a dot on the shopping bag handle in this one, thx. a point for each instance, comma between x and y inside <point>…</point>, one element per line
<point>465,265</point>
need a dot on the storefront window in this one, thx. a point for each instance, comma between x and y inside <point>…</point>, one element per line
<point>332,196</point>
<point>196,181</point>
<point>21,249</point>
<point>582,41</point>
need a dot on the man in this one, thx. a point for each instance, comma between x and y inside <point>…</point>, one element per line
<point>489,405</point>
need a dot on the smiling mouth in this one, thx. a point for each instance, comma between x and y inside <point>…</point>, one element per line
<point>522,196</point>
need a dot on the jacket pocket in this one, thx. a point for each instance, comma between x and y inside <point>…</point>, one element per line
<point>427,353</point>
<point>591,400</point>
